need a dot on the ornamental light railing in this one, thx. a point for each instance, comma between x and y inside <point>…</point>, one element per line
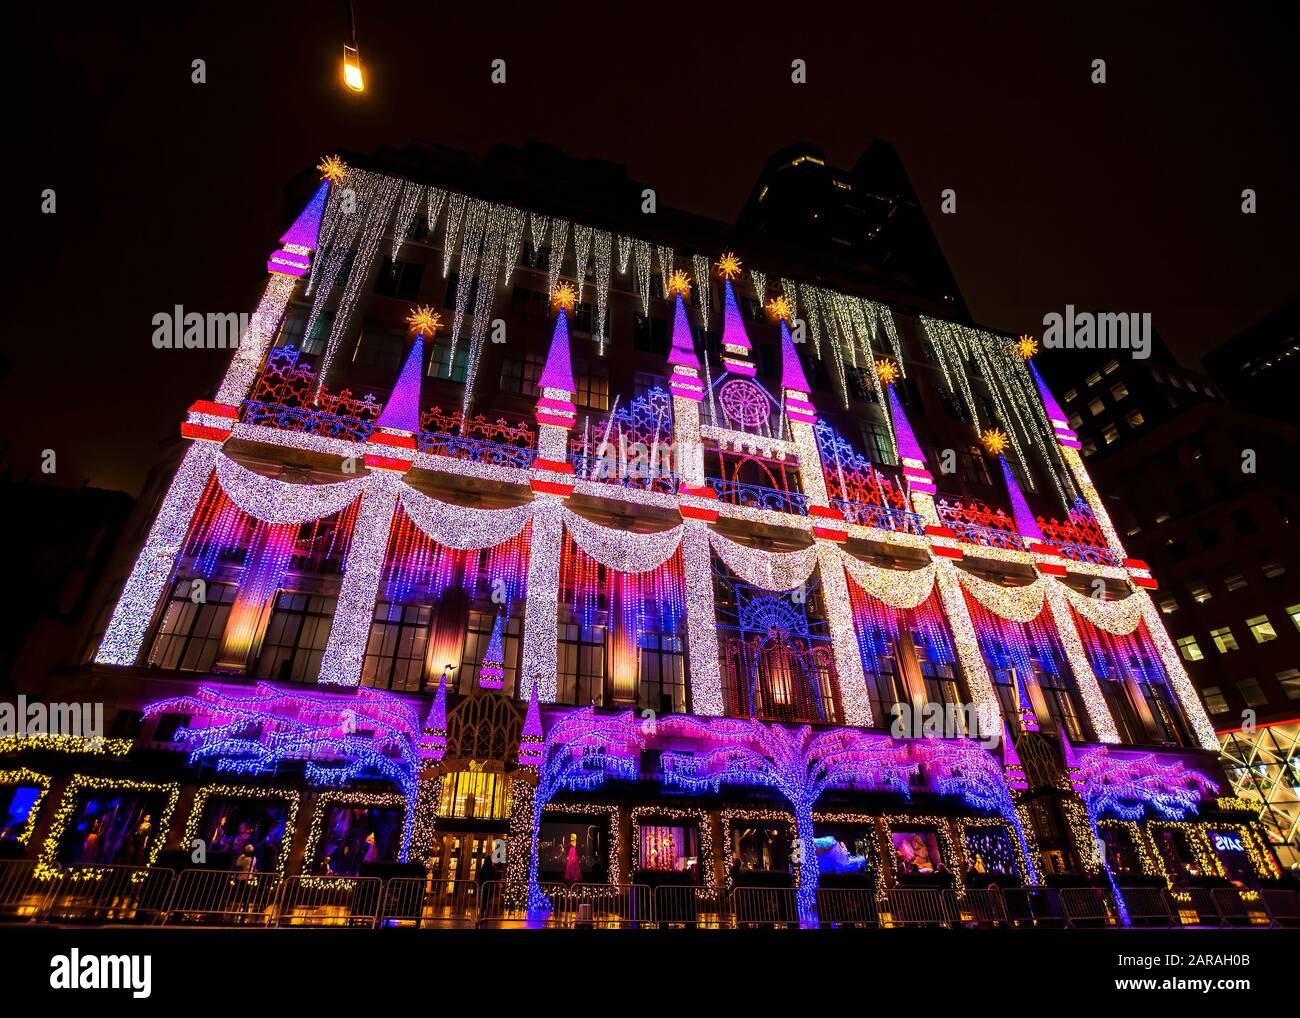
<point>477,450</point>
<point>880,517</point>
<point>626,474</point>
<point>758,496</point>
<point>306,420</point>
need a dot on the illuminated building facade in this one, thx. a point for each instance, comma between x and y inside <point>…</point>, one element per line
<point>628,551</point>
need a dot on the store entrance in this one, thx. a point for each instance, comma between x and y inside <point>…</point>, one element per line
<point>457,855</point>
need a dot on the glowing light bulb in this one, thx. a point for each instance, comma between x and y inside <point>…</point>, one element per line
<point>352,68</point>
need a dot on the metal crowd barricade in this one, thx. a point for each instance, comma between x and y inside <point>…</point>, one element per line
<point>23,895</point>
<point>980,908</point>
<point>494,910</point>
<point>1283,906</point>
<point>1239,907</point>
<point>421,902</point>
<point>920,906</point>
<point>1148,906</point>
<point>847,908</point>
<point>689,906</point>
<point>1033,906</point>
<point>315,901</point>
<point>764,906</point>
<point>1194,906</point>
<point>1088,907</point>
<point>110,894</point>
<point>599,906</point>
<point>223,898</point>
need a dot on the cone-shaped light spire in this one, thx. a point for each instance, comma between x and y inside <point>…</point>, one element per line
<point>433,742</point>
<point>492,674</point>
<point>402,411</point>
<point>793,382</point>
<point>305,230</point>
<point>532,737</point>
<point>733,325</point>
<point>558,372</point>
<point>1020,511</point>
<point>685,381</point>
<point>919,478</point>
<point>1060,423</point>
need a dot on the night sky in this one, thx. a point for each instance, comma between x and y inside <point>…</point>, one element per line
<point>1125,195</point>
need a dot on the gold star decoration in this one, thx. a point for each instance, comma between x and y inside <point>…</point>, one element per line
<point>423,320</point>
<point>332,168</point>
<point>679,282</point>
<point>995,441</point>
<point>1026,346</point>
<point>728,266</point>
<point>886,371</point>
<point>564,297</point>
<point>779,307</point>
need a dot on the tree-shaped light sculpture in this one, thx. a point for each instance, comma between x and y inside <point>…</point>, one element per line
<point>799,763</point>
<point>964,767</point>
<point>1131,787</point>
<point>581,750</point>
<point>370,733</point>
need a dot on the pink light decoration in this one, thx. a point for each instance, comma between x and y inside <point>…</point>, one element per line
<point>643,602</point>
<point>402,411</point>
<point>683,348</point>
<point>733,326</point>
<point>492,674</point>
<point>272,548</point>
<point>419,569</point>
<point>532,737</point>
<point>433,741</point>
<point>908,447</point>
<point>558,372</point>
<point>878,624</point>
<point>792,375</point>
<point>306,228</point>
<point>1060,423</point>
<point>1020,511</point>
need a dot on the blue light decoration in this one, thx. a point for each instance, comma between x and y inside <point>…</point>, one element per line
<point>340,737</point>
<point>964,767</point>
<point>582,750</point>
<point>799,763</point>
<point>1131,787</point>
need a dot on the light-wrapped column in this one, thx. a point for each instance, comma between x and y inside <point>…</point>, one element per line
<point>701,620</point>
<point>1075,462</point>
<point>1084,677</point>
<point>978,681</point>
<point>1193,709</point>
<point>247,361</point>
<point>153,566</point>
<point>541,609</point>
<point>844,640</point>
<point>346,648</point>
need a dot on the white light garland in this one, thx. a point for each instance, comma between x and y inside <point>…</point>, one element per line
<point>624,254</point>
<point>844,637</point>
<point>1085,679</point>
<point>700,266</point>
<point>515,220</point>
<point>475,223</point>
<point>667,265</point>
<point>701,620</point>
<point>641,248</point>
<point>463,527</point>
<point>559,241</point>
<point>581,255</point>
<point>1015,604</point>
<point>603,244</point>
<point>455,210</point>
<point>898,588</point>
<point>247,362</point>
<point>768,570</point>
<point>274,501</point>
<point>153,566</point>
<point>537,228</point>
<point>624,551</point>
<point>412,197</point>
<point>1119,618</point>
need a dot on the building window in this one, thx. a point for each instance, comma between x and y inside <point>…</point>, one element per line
<point>875,438</point>
<point>1214,700</point>
<point>663,673</point>
<point>1272,570</point>
<point>1110,367</point>
<point>478,633</point>
<point>1076,421</point>
<point>1168,605</point>
<point>1293,613</point>
<point>1223,639</point>
<point>1089,447</point>
<point>973,467</point>
<point>1118,391</point>
<point>650,334</point>
<point>474,795</point>
<point>190,634</point>
<point>1289,680</point>
<point>592,386</point>
<point>379,349</point>
<point>1234,582</point>
<point>1071,396</point>
<point>444,364</point>
<point>1192,386</point>
<point>399,636</point>
<point>519,375</point>
<point>1111,434</point>
<point>581,671</point>
<point>1251,693</point>
<point>1261,629</point>
<point>1096,407</point>
<point>1199,591</point>
<point>1175,382</point>
<point>1134,418</point>
<point>295,637</point>
<point>1094,378</point>
<point>400,280</point>
<point>1189,649</point>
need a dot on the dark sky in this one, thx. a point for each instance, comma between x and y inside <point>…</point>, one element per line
<point>1125,195</point>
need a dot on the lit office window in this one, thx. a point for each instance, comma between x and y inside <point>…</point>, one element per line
<point>1189,649</point>
<point>1223,639</point>
<point>1261,629</point>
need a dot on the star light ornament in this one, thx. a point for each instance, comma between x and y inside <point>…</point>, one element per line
<point>423,321</point>
<point>729,266</point>
<point>1026,347</point>
<point>332,168</point>
<point>679,283</point>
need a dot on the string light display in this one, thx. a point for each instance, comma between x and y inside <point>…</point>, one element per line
<point>601,252</point>
<point>413,196</point>
<point>352,800</point>
<point>289,796</point>
<point>559,240</point>
<point>455,213</point>
<point>54,742</point>
<point>47,864</point>
<point>949,848</point>
<point>581,254</point>
<point>41,782</point>
<point>641,249</point>
<point>707,863</point>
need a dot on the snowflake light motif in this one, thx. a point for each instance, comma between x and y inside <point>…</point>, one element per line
<point>1026,346</point>
<point>779,307</point>
<point>995,441</point>
<point>679,282</point>
<point>564,297</point>
<point>729,266</point>
<point>423,320</point>
<point>332,168</point>
<point>886,371</point>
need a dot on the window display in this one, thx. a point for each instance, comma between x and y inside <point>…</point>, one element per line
<point>111,827</point>
<point>671,849</point>
<point>573,852</point>
<point>229,823</point>
<point>17,802</point>
<point>916,852</point>
<point>989,850</point>
<point>355,835</point>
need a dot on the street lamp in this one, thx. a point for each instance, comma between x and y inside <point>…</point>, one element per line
<point>352,77</point>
